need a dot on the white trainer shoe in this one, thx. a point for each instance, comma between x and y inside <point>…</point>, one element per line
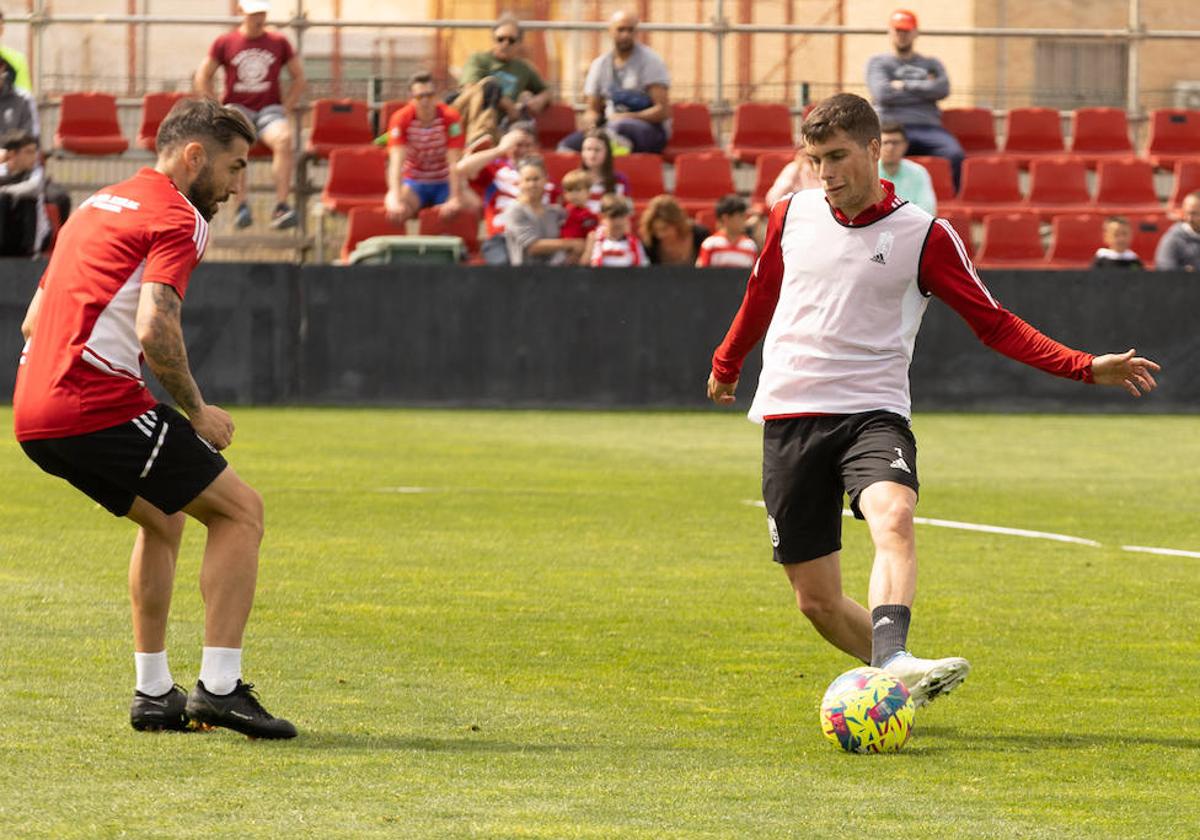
<point>927,679</point>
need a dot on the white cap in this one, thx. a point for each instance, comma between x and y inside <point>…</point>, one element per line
<point>253,7</point>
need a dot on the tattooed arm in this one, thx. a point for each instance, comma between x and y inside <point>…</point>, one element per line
<point>160,331</point>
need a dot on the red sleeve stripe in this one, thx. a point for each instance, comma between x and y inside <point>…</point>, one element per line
<point>966,261</point>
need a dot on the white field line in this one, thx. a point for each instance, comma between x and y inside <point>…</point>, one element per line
<point>1021,532</point>
<point>403,489</point>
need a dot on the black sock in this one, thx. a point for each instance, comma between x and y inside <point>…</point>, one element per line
<point>889,632</point>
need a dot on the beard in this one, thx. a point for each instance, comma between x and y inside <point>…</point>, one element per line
<point>203,194</point>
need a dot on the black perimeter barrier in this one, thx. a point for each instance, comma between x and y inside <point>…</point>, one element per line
<point>583,338</point>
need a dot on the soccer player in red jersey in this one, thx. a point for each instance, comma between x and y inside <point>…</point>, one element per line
<point>839,290</point>
<point>111,297</point>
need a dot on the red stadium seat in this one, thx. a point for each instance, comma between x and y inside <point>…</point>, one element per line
<point>1011,240</point>
<point>87,125</point>
<point>357,178</point>
<point>1098,134</point>
<point>260,150</point>
<point>760,127</point>
<point>464,224</point>
<point>942,177</point>
<point>559,164</point>
<point>1148,228</point>
<point>1126,186</point>
<point>961,222</point>
<point>975,129</point>
<point>989,185</point>
<point>1174,136</point>
<point>700,179</point>
<point>691,130</point>
<point>645,174</point>
<point>365,222</point>
<point>386,110</point>
<point>155,107</point>
<point>1074,239</point>
<point>339,124</point>
<point>1030,133</point>
<point>1057,186</point>
<point>555,122</point>
<point>1187,180</point>
<point>766,172</point>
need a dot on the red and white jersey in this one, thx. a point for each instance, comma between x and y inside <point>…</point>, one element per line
<point>717,251</point>
<point>626,252</point>
<point>840,302</point>
<point>426,143</point>
<point>81,370</point>
<point>596,191</point>
<point>500,185</point>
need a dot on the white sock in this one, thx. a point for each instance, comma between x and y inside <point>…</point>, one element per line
<point>153,675</point>
<point>220,669</point>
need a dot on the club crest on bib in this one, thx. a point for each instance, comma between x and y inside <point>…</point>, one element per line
<point>773,530</point>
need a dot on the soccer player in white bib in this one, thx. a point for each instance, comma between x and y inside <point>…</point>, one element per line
<point>838,291</point>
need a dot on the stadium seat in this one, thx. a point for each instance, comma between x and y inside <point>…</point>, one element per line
<point>1056,186</point>
<point>1174,136</point>
<point>357,178</point>
<point>464,224</point>
<point>961,222</point>
<point>760,127</point>
<point>975,129</point>
<point>1098,134</point>
<point>766,171</point>
<point>385,113</point>
<point>943,179</point>
<point>706,218</point>
<point>989,185</point>
<point>1030,133</point>
<point>556,121</point>
<point>1074,239</point>
<point>339,124</point>
<point>365,222</point>
<point>691,130</point>
<point>645,174</point>
<point>1187,180</point>
<point>1148,228</point>
<point>701,178</point>
<point>559,164</point>
<point>1126,186</point>
<point>260,150</point>
<point>155,107</point>
<point>87,125</point>
<point>1011,240</point>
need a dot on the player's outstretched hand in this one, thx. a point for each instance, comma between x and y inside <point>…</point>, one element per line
<point>214,425</point>
<point>721,392</point>
<point>1133,373</point>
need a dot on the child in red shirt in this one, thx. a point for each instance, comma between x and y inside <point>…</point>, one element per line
<point>580,221</point>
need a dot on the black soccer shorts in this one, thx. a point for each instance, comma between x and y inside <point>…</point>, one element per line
<point>157,456</point>
<point>809,463</point>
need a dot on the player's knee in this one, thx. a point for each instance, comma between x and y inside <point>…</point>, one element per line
<point>819,608</point>
<point>891,517</point>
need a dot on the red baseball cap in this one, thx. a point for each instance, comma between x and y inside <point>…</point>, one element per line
<point>903,19</point>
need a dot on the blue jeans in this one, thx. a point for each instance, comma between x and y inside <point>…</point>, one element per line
<point>642,136</point>
<point>935,141</point>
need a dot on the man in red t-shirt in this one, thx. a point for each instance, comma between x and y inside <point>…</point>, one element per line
<point>111,297</point>
<point>424,141</point>
<point>253,57</point>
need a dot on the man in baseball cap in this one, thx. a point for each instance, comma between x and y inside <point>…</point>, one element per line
<point>906,87</point>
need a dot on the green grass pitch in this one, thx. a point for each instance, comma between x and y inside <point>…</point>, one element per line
<point>573,629</point>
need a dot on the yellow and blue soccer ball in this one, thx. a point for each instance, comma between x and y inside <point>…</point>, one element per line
<point>867,710</point>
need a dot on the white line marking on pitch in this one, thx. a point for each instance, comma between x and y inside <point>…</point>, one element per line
<point>403,489</point>
<point>1172,552</point>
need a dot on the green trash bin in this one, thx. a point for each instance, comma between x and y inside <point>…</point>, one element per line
<point>387,250</point>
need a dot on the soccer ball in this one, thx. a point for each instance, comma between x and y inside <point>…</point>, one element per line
<point>867,710</point>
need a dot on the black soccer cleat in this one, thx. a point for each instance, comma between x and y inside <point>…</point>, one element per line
<point>239,710</point>
<point>153,714</point>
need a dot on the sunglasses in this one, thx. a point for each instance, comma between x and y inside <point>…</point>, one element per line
<point>505,39</point>
<point>422,96</point>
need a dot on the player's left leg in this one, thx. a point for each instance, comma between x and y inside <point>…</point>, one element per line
<point>278,136</point>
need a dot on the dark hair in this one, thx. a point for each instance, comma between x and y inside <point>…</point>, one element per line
<point>1116,220</point>
<point>614,206</point>
<point>606,168</point>
<point>841,112</point>
<point>892,127</point>
<point>422,78</point>
<point>204,121</point>
<point>17,138</point>
<point>731,204</point>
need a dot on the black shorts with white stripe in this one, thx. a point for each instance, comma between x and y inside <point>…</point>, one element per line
<point>156,455</point>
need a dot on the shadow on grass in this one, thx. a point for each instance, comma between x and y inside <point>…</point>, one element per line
<point>1028,741</point>
<point>377,742</point>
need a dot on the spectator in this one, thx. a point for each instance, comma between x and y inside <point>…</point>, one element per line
<point>596,157</point>
<point>18,111</point>
<point>581,221</point>
<point>493,174</point>
<point>729,247</point>
<point>24,226</point>
<point>1179,249</point>
<point>1118,234</point>
<point>910,179</point>
<point>498,88</point>
<point>425,139</point>
<point>253,58</point>
<point>16,60</point>
<point>906,87</point>
<point>613,244</point>
<point>532,227</point>
<point>795,176</point>
<point>627,92</point>
<point>670,237</point>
